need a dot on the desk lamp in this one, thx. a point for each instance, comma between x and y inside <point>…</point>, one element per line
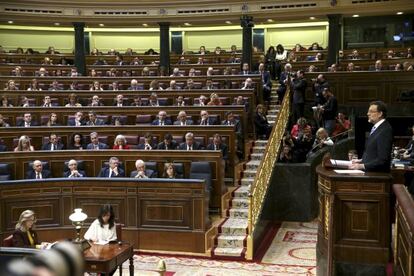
<point>77,218</point>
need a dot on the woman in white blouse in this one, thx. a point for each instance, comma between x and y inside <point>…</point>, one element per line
<point>281,56</point>
<point>103,228</point>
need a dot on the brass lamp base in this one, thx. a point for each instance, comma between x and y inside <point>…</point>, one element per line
<point>82,244</point>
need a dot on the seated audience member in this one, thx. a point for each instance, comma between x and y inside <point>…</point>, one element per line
<point>200,61</point>
<point>11,86</point>
<point>78,120</point>
<point>342,124</point>
<point>95,144</point>
<point>3,123</point>
<point>350,67</point>
<point>120,143</point>
<point>73,171</point>
<point>322,139</point>
<point>113,170</point>
<point>73,101</point>
<point>119,101</point>
<point>233,49</point>
<point>53,144</point>
<point>218,144</point>
<point>55,86</point>
<point>286,155</point>
<point>118,121</point>
<point>114,86</point>
<point>248,84</point>
<point>210,71</point>
<point>51,51</point>
<point>112,73</point>
<point>96,86</point>
<point>136,61</point>
<point>176,72</point>
<point>25,102</point>
<point>409,53</point>
<point>312,68</point>
<point>95,52</point>
<point>333,68</point>
<point>354,55</point>
<point>76,142</point>
<point>134,85</point>
<point>173,85</point>
<point>47,101</point>
<point>390,54</point>
<point>182,119</point>
<point>17,72</point>
<point>74,86</point>
<point>266,81</point>
<point>298,48</point>
<point>137,101</point>
<point>202,50</point>
<point>352,155</point>
<point>93,120</point>
<point>232,121</point>
<point>153,100</point>
<point>155,85</point>
<point>202,100</point>
<point>303,144</point>
<point>148,143</point>
<point>27,121</point>
<point>407,66</point>
<point>377,66</point>
<point>315,47</point>
<point>316,57</point>
<point>37,171</point>
<point>74,72</point>
<point>190,143</point>
<point>150,52</point>
<point>209,85</point>
<point>24,144</point>
<point>245,69</point>
<point>408,151</point>
<point>5,101</point>
<point>93,74</point>
<point>42,72</point>
<point>169,171</point>
<point>180,101</point>
<point>298,128</point>
<point>142,172</point>
<point>214,99</point>
<point>162,119</point>
<point>96,101</point>
<point>189,85</point>
<point>24,234</point>
<point>262,126</point>
<point>113,52</point>
<point>168,143</point>
<point>119,60</point>
<point>103,228</point>
<point>192,72</point>
<point>34,86</point>
<point>53,120</point>
<point>205,119</point>
<point>145,72</point>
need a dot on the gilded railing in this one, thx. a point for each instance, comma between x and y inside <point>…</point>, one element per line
<point>261,181</point>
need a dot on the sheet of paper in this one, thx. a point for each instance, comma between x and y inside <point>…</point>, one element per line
<point>101,242</point>
<point>349,171</point>
<point>340,163</point>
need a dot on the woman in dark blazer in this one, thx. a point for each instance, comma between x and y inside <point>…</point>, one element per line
<point>25,235</point>
<point>263,128</point>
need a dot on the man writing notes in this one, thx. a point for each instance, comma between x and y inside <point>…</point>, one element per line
<point>378,147</point>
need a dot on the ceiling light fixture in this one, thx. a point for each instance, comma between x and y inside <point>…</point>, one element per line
<point>270,20</point>
<point>101,25</point>
<point>228,22</point>
<point>10,22</point>
<point>312,18</point>
<point>187,24</point>
<point>145,24</point>
<point>400,13</point>
<point>355,15</point>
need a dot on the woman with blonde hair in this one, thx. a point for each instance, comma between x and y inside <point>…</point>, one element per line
<point>120,143</point>
<point>214,99</point>
<point>24,234</point>
<point>24,144</point>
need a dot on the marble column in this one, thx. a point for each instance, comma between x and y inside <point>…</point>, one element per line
<point>334,36</point>
<point>165,46</point>
<point>80,59</point>
<point>247,24</point>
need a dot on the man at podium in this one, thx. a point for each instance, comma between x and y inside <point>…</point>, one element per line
<point>378,147</point>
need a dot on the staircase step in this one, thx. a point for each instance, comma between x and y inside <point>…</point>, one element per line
<point>230,241</point>
<point>260,143</point>
<point>273,112</point>
<point>257,149</point>
<point>252,165</point>
<point>229,252</point>
<point>241,192</point>
<point>256,156</point>
<point>246,181</point>
<point>238,213</point>
<point>240,203</point>
<point>234,227</point>
<point>249,173</point>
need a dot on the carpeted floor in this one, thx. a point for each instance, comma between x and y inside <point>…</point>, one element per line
<point>292,252</point>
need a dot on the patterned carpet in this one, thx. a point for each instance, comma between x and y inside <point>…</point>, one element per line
<point>292,252</point>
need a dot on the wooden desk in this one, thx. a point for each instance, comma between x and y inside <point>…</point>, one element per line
<point>354,231</point>
<point>106,258</point>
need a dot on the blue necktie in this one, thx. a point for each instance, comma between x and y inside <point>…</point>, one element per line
<point>372,130</point>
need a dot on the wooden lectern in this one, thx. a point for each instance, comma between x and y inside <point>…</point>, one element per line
<point>354,231</point>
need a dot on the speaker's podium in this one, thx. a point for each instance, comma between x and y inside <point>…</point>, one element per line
<point>354,231</point>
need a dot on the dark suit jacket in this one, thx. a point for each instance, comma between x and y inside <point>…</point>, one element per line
<point>20,238</point>
<point>172,146</point>
<point>188,122</point>
<point>71,122</point>
<point>223,147</point>
<point>100,145</point>
<point>148,172</point>
<point>58,146</point>
<point>142,146</point>
<point>157,122</point>
<point>32,123</point>
<point>98,122</point>
<point>236,123</point>
<point>299,88</point>
<point>196,146</point>
<point>32,175</point>
<point>261,124</point>
<point>68,172</point>
<point>105,172</point>
<point>211,121</point>
<point>378,147</point>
